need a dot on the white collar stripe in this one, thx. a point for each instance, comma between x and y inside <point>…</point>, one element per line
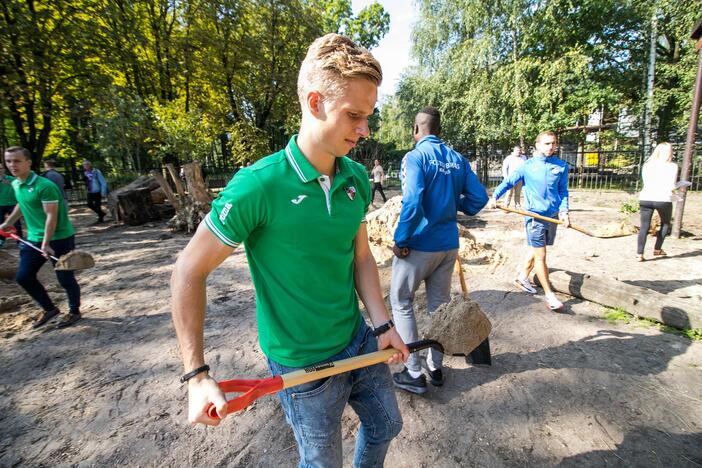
<point>294,164</point>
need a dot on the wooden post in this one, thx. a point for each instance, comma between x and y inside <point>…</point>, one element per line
<point>196,185</point>
<point>166,188</point>
<point>691,131</point>
<point>176,181</point>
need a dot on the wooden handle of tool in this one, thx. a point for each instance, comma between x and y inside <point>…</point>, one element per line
<point>328,369</point>
<point>462,278</point>
<point>546,218</point>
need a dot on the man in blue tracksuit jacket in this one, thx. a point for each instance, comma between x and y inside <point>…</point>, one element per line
<point>545,188</point>
<point>436,182</point>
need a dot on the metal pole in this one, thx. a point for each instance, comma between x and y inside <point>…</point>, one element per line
<point>690,142</point>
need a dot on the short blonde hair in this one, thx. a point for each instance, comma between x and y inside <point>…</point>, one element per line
<point>331,61</point>
<point>662,152</point>
<point>544,134</point>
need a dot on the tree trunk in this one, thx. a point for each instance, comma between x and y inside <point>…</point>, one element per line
<point>196,185</point>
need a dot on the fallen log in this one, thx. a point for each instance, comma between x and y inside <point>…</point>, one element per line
<point>135,207</point>
<point>674,311</point>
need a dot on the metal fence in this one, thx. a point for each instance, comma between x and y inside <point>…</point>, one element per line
<point>588,170</point>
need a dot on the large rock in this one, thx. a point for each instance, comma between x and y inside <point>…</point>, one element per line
<point>460,325</point>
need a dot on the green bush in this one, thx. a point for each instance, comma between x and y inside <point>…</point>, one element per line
<point>629,207</point>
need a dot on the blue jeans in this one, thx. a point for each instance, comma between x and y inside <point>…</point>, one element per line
<point>30,263</point>
<point>314,409</point>
<point>5,210</point>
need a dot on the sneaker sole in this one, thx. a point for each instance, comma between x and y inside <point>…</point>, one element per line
<point>557,309</point>
<point>411,389</point>
<point>519,286</point>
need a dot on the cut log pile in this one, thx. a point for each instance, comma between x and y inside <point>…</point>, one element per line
<point>150,198</point>
<point>190,207</point>
<point>139,202</point>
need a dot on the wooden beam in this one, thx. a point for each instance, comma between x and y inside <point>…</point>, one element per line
<point>674,311</point>
<point>166,188</point>
<point>176,180</point>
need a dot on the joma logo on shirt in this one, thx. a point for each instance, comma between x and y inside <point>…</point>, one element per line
<point>298,200</point>
<point>225,212</point>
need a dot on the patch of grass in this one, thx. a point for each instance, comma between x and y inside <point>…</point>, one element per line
<point>629,207</point>
<point>618,314</point>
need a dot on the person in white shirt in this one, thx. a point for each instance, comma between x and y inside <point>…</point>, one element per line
<point>659,175</point>
<point>509,165</point>
<point>378,178</point>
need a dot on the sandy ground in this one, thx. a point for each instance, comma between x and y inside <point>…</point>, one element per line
<point>564,389</point>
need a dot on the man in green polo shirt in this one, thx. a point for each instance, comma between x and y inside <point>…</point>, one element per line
<point>48,228</point>
<point>300,214</point>
<point>7,200</point>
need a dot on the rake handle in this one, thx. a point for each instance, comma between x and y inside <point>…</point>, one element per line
<point>546,218</point>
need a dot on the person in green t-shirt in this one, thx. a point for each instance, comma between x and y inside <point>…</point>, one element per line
<point>300,213</point>
<point>40,202</point>
<point>7,200</point>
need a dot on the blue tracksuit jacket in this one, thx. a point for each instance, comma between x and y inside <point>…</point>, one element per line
<point>436,182</point>
<point>545,185</point>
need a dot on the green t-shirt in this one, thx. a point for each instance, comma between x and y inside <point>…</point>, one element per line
<point>32,195</point>
<point>299,242</point>
<point>7,194</point>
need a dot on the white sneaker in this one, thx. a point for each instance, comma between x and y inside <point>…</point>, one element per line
<point>525,285</point>
<point>553,302</point>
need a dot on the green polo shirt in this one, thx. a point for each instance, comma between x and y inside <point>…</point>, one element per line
<point>7,194</point>
<point>300,247</point>
<point>32,195</point>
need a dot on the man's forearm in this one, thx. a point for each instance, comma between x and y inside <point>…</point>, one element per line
<point>13,217</point>
<point>368,288</point>
<point>49,228</point>
<point>188,310</point>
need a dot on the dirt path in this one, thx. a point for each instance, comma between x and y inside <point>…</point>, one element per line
<point>564,389</point>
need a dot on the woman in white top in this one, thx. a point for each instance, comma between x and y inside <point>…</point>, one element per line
<point>659,175</point>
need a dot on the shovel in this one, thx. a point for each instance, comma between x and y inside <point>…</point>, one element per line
<point>252,389</point>
<point>74,260</point>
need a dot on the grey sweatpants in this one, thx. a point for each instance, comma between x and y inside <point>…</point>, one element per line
<point>435,269</point>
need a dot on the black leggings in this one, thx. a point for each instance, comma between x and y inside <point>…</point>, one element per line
<point>379,187</point>
<point>665,210</point>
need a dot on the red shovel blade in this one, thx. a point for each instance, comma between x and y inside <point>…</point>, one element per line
<point>253,389</point>
<point>11,233</point>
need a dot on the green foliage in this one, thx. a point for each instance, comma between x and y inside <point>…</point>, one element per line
<point>187,134</point>
<point>502,72</point>
<point>130,83</point>
<point>618,314</point>
<point>248,143</point>
<point>628,207</point>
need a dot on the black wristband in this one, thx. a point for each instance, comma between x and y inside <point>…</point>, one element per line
<point>383,328</point>
<point>193,373</point>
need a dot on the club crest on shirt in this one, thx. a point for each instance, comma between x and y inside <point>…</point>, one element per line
<point>351,192</point>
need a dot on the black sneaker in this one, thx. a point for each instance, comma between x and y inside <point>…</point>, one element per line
<point>436,377</point>
<point>68,320</point>
<point>406,382</point>
<point>45,317</point>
